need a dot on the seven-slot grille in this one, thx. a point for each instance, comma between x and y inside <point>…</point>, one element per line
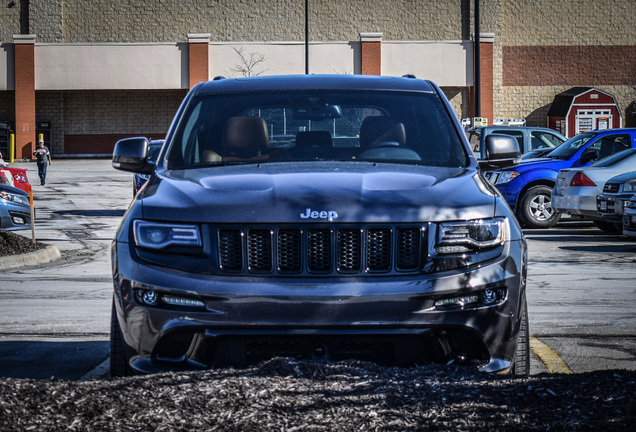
<point>611,187</point>
<point>320,250</point>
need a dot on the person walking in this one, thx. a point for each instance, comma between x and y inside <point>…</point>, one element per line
<point>43,158</point>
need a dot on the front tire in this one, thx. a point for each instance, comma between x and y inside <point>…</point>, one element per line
<point>521,364</point>
<point>118,361</point>
<point>536,210</point>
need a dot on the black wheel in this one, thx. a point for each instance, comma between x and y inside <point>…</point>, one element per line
<point>118,361</point>
<point>521,364</point>
<point>609,227</point>
<point>536,209</point>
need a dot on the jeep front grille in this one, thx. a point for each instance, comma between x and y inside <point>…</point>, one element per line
<point>321,250</point>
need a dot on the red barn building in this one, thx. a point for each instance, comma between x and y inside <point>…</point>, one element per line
<point>582,109</point>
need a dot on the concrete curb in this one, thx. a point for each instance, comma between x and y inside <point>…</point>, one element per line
<point>51,253</point>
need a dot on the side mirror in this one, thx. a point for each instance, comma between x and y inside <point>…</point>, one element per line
<point>588,156</point>
<point>500,151</point>
<point>131,154</point>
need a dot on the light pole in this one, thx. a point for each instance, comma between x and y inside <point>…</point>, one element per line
<point>306,37</point>
<point>477,62</point>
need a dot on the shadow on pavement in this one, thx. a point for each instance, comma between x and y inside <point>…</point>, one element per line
<point>43,360</point>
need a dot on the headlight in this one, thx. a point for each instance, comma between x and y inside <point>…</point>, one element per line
<point>629,186</point>
<point>8,196</point>
<point>506,176</point>
<point>157,235</point>
<point>466,236</point>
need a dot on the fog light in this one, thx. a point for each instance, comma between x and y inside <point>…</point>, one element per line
<point>149,297</point>
<point>18,220</point>
<point>182,301</point>
<point>489,296</point>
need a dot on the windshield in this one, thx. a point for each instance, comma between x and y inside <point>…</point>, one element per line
<point>264,127</point>
<point>571,146</point>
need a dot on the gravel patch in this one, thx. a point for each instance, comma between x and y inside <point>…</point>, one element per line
<point>15,244</point>
<point>286,395</point>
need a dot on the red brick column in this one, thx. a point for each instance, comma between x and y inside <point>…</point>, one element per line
<point>24,46</point>
<point>198,44</point>
<point>371,53</point>
<point>486,48</point>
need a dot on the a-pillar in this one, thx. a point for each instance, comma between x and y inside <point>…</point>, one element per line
<point>24,57</point>
<point>486,44</point>
<point>371,53</point>
<point>198,53</point>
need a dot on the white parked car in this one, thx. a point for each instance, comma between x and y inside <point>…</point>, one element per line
<point>576,188</point>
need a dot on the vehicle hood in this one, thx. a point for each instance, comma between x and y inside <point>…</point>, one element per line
<point>342,192</point>
<point>623,178</point>
<point>549,163</point>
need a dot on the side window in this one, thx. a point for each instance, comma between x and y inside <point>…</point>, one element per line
<point>610,144</point>
<point>514,133</point>
<point>540,139</point>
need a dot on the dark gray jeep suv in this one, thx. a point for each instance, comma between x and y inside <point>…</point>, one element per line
<point>317,217</point>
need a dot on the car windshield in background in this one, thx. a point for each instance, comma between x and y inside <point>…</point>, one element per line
<point>153,150</point>
<point>571,146</point>
<point>265,127</point>
<point>615,158</point>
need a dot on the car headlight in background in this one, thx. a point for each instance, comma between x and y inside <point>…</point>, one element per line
<point>8,196</point>
<point>159,235</point>
<point>469,236</point>
<point>629,186</point>
<point>506,176</point>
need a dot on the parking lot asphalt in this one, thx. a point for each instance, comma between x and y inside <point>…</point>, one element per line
<point>77,220</point>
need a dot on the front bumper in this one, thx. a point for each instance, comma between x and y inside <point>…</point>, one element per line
<point>246,318</point>
<point>15,219</point>
<point>612,207</point>
<point>629,223</point>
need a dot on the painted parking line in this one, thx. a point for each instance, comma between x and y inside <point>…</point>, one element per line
<point>551,359</point>
<point>98,372</point>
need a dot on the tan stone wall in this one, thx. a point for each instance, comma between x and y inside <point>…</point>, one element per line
<point>247,20</point>
<point>569,22</point>
<point>536,101</point>
<point>565,29</point>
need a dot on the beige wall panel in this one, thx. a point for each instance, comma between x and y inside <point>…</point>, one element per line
<point>282,59</point>
<point>7,67</point>
<point>110,66</point>
<point>448,64</point>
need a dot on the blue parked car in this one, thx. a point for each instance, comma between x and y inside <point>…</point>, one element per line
<point>527,187</point>
<point>15,208</point>
<point>140,179</point>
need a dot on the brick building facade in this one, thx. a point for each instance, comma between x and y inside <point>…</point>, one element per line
<point>99,70</point>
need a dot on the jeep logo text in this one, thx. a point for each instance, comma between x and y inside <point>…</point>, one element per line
<point>315,214</point>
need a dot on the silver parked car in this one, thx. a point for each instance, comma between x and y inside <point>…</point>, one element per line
<point>576,188</point>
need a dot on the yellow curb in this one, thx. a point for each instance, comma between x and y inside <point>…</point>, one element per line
<point>41,256</point>
<point>551,359</point>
